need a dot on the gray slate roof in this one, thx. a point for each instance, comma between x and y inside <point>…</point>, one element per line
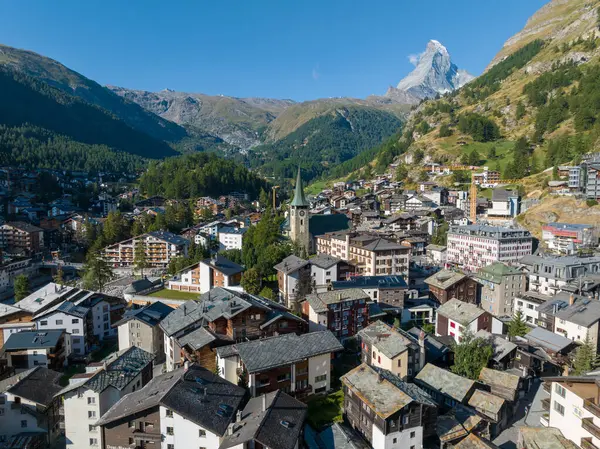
<point>500,346</point>
<point>224,265</point>
<point>277,426</point>
<point>446,382</point>
<point>38,384</point>
<point>544,338</point>
<point>197,339</point>
<point>291,264</point>
<point>33,340</point>
<point>386,339</point>
<point>196,394</point>
<point>151,314</point>
<point>320,301</point>
<point>434,349</point>
<point>324,261</point>
<point>444,279</point>
<point>267,353</point>
<point>381,282</point>
<point>459,311</point>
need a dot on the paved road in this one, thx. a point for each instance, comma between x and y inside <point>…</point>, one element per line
<point>508,438</point>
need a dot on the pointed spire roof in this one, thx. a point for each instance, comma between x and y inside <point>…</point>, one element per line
<point>299,198</point>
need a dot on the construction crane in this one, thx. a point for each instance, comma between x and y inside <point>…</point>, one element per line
<point>274,188</point>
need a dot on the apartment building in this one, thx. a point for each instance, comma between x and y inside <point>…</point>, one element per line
<point>89,397</point>
<point>548,274</point>
<point>371,254</point>
<point>231,237</point>
<point>389,413</point>
<point>227,316</point>
<point>568,238</point>
<point>475,246</point>
<point>160,247</point>
<point>506,204</point>
<point>140,328</point>
<point>574,409</point>
<point>455,316</point>
<point>23,238</point>
<point>500,283</point>
<point>387,291</point>
<point>297,364</point>
<point>206,274</point>
<point>383,346</point>
<point>343,312</point>
<point>28,404</point>
<point>527,303</point>
<point>447,284</point>
<point>189,407</point>
<point>28,349</point>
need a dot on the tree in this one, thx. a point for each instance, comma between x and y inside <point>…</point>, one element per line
<point>491,153</point>
<point>267,292</point>
<point>584,358</point>
<point>97,272</point>
<point>517,326</point>
<point>555,175</point>
<point>440,237</point>
<point>401,173</point>
<point>21,287</point>
<point>520,111</point>
<point>474,158</point>
<point>59,276</point>
<point>444,131</point>
<point>428,328</point>
<point>251,281</point>
<point>471,355</point>
<point>140,261</point>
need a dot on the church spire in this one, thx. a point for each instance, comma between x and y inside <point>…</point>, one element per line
<point>299,198</point>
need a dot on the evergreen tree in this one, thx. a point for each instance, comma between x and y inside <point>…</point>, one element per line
<point>251,281</point>
<point>59,276</point>
<point>140,260</point>
<point>97,272</point>
<point>471,355</point>
<point>584,358</point>
<point>517,326</point>
<point>520,111</point>
<point>267,292</point>
<point>21,287</point>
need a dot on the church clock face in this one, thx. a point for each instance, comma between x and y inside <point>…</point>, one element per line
<point>302,213</point>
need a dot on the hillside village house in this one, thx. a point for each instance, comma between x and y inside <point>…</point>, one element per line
<point>455,316</point>
<point>207,274</point>
<point>446,285</point>
<point>160,248</point>
<point>446,388</point>
<point>297,364</point>
<point>222,316</point>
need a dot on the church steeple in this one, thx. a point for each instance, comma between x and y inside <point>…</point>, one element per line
<point>299,198</point>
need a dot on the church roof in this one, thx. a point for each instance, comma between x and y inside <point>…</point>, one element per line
<point>299,198</point>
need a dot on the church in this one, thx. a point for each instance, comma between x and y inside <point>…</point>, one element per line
<point>304,227</point>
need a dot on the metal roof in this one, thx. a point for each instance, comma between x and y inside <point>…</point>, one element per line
<point>33,340</point>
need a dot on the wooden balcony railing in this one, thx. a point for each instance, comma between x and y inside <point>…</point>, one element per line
<point>586,443</point>
<point>591,407</point>
<point>588,424</point>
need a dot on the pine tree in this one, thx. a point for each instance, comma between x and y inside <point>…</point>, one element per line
<point>517,327</point>
<point>585,358</point>
<point>21,287</point>
<point>140,260</point>
<point>97,272</point>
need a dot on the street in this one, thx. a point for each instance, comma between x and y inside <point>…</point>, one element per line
<point>508,438</point>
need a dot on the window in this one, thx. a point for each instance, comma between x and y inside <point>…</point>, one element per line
<point>283,377</point>
<point>453,325</point>
<point>201,433</point>
<point>560,390</point>
<point>91,401</point>
<point>170,431</point>
<point>93,441</point>
<point>559,408</point>
<point>75,321</point>
<point>59,322</point>
<point>23,423</point>
<point>322,378</point>
<point>399,363</point>
<point>395,440</point>
<point>43,323</point>
<point>412,434</point>
<point>91,414</point>
<point>92,428</point>
<point>170,446</point>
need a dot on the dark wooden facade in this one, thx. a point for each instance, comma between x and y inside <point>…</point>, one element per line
<point>140,430</point>
<point>465,290</point>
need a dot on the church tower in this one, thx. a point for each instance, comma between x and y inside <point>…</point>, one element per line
<point>299,216</point>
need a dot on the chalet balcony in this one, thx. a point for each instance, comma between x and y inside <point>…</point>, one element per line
<point>586,443</point>
<point>546,404</point>
<point>588,424</point>
<point>591,407</point>
<point>547,386</point>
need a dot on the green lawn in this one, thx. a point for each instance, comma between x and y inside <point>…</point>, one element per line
<point>324,410</point>
<point>315,188</point>
<point>174,294</point>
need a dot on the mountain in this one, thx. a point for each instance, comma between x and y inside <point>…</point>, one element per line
<point>237,121</point>
<point>434,74</point>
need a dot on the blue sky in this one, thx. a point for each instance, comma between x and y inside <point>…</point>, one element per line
<point>299,49</point>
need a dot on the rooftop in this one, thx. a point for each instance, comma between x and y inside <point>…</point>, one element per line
<point>151,314</point>
<point>23,226</point>
<point>490,232</point>
<point>381,395</point>
<point>544,338</point>
<point>380,282</point>
<point>386,339</point>
<point>487,403</point>
<point>459,311</point>
<point>33,340</point>
<point>291,264</point>
<point>503,379</point>
<point>224,265</point>
<point>169,237</point>
<point>324,261</point>
<point>497,271</point>
<point>264,354</point>
<point>434,349</point>
<point>196,394</point>
<point>320,301</point>
<point>446,382</point>
<point>38,385</point>
<point>500,346</point>
<point>544,437</point>
<point>274,420</point>
<point>472,441</point>
<point>444,279</point>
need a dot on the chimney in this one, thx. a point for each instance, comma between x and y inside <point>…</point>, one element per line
<point>238,416</point>
<point>571,299</point>
<point>525,371</point>
<point>186,366</point>
<point>264,402</point>
<point>421,350</point>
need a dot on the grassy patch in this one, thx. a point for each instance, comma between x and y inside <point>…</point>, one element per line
<point>324,410</point>
<point>70,372</point>
<point>315,188</point>
<point>174,294</point>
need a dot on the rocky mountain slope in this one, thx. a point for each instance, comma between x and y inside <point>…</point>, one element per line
<point>434,74</point>
<point>534,107</point>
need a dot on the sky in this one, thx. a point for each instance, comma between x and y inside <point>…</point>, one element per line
<point>298,49</point>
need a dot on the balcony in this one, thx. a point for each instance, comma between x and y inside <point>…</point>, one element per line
<point>586,443</point>
<point>588,424</point>
<point>546,386</point>
<point>594,409</point>
<point>546,404</point>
